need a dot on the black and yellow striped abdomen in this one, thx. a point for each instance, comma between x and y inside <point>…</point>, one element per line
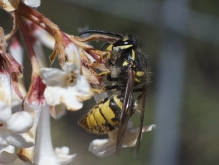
<point>104,116</point>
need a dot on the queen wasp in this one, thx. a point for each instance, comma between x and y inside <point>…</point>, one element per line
<point>129,73</point>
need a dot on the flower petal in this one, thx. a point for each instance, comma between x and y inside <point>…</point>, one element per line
<point>62,154</point>
<point>5,112</point>
<point>149,127</point>
<point>83,90</point>
<point>16,50</point>
<point>68,67</point>
<point>6,157</point>
<point>101,147</point>
<point>32,3</point>
<point>52,95</point>
<point>73,56</point>
<point>10,149</point>
<point>5,87</point>
<point>37,46</point>
<point>33,108</point>
<point>4,133</point>
<point>70,100</point>
<point>53,76</point>
<point>18,140</point>
<point>71,96</point>
<point>44,152</point>
<point>132,134</point>
<point>105,147</point>
<point>20,122</point>
<point>60,111</point>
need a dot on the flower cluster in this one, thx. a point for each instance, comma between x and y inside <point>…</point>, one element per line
<point>25,114</point>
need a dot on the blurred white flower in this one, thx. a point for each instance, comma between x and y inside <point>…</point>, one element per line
<point>105,147</point>
<point>32,3</point>
<point>12,126</point>
<point>44,152</point>
<point>7,156</point>
<point>63,155</point>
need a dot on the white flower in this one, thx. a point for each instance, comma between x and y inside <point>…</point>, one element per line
<point>63,155</point>
<point>44,152</point>
<point>105,147</point>
<point>35,109</point>
<point>32,3</point>
<point>12,127</point>
<point>66,86</point>
<point>7,156</point>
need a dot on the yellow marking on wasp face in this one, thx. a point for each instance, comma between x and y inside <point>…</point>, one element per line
<point>140,73</point>
<point>108,55</point>
<point>99,118</point>
<point>109,48</point>
<point>125,63</point>
<point>92,120</point>
<point>107,112</point>
<point>137,80</point>
<point>125,46</point>
<point>133,54</point>
<point>118,102</point>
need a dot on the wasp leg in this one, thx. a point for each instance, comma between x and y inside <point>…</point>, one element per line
<point>106,55</point>
<point>102,73</point>
<point>98,90</point>
<point>106,88</point>
<point>109,78</point>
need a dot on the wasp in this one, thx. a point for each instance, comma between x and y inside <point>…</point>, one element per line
<point>129,73</point>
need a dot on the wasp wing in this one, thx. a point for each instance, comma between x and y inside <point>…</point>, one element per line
<point>126,109</point>
<point>142,97</point>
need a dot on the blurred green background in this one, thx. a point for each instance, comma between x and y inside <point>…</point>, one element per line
<point>199,134</point>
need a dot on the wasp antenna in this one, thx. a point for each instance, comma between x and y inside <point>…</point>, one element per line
<point>100,32</point>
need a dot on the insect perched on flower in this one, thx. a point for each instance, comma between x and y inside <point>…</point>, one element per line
<point>129,73</point>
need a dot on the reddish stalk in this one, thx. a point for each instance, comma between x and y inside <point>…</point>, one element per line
<point>39,19</point>
<point>35,20</point>
<point>28,43</point>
